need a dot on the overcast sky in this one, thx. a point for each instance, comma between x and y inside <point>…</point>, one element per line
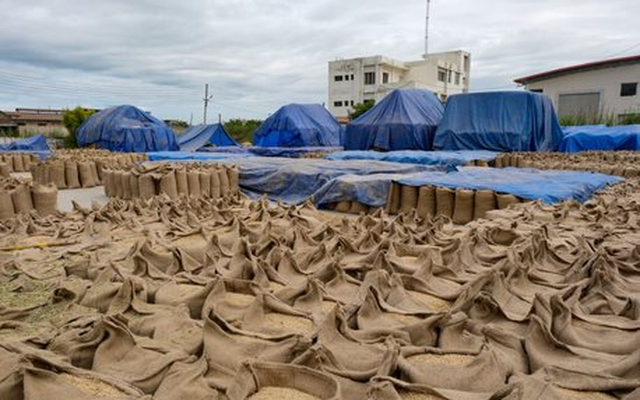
<point>260,54</point>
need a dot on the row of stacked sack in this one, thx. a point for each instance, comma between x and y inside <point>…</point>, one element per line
<point>17,197</point>
<point>172,180</point>
<point>619,163</point>
<point>73,169</point>
<point>459,205</point>
<point>16,162</point>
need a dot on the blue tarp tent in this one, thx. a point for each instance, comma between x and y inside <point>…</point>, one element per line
<point>499,121</point>
<point>594,137</point>
<point>299,125</point>
<point>126,128</point>
<point>32,143</point>
<point>404,120</point>
<point>199,136</point>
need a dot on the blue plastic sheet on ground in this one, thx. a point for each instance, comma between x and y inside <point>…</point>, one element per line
<point>417,157</point>
<point>294,182</point>
<point>549,186</point>
<point>199,136</point>
<point>299,125</point>
<point>290,152</point>
<point>126,128</point>
<point>588,138</point>
<point>29,144</point>
<point>193,156</point>
<point>499,121</point>
<point>224,149</point>
<point>406,119</point>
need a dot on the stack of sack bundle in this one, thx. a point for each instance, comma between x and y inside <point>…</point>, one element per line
<point>173,180</point>
<point>16,162</point>
<point>461,206</point>
<point>17,197</point>
<point>74,169</point>
<point>619,163</point>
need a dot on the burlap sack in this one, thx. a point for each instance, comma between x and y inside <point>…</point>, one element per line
<point>94,172</point>
<point>126,185</point>
<point>234,179</point>
<point>426,202</point>
<point>169,186</point>
<point>224,181</point>
<point>45,198</point>
<point>146,186</point>
<point>394,199</point>
<point>116,181</point>
<point>343,206</point>
<point>182,182</point>
<point>21,197</point>
<point>505,200</point>
<point>445,201</point>
<point>8,159</point>
<point>107,177</point>
<point>193,179</point>
<point>464,206</point>
<point>6,205</point>
<point>358,208</point>
<point>485,201</point>
<point>71,174</point>
<point>408,199</point>
<point>18,165</point>
<point>5,171</point>
<point>133,184</point>
<point>215,185</point>
<point>26,162</point>
<point>205,183</point>
<point>86,176</point>
<point>57,174</point>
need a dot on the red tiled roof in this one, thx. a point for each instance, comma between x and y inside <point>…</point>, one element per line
<point>579,68</point>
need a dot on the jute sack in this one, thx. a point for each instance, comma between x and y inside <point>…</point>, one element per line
<point>45,198</point>
<point>18,165</point>
<point>498,161</point>
<point>205,183</point>
<point>464,206</point>
<point>94,172</point>
<point>146,186</point>
<point>133,184</point>
<point>482,163</point>
<point>408,199</point>
<point>8,159</point>
<point>631,172</point>
<point>108,186</point>
<point>505,200</point>
<point>86,177</point>
<point>116,181</point>
<point>6,205</point>
<point>26,162</point>
<point>5,171</point>
<point>57,174</point>
<point>357,208</point>
<point>343,206</point>
<point>393,200</point>
<point>21,197</point>
<point>169,186</point>
<point>426,202</point>
<point>125,179</point>
<point>485,201</point>
<point>193,179</point>
<point>215,185</point>
<point>444,201</point>
<point>181,182</point>
<point>71,174</point>
<point>224,181</point>
<point>234,179</point>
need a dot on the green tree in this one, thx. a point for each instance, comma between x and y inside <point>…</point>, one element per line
<point>362,108</point>
<point>72,120</point>
<point>242,129</point>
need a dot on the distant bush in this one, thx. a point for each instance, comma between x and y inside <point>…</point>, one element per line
<point>242,129</point>
<point>73,120</point>
<point>595,118</point>
<point>630,119</point>
<point>362,108</point>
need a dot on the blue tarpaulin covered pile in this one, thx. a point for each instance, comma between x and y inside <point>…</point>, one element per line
<point>600,137</point>
<point>126,128</point>
<point>299,125</point>
<point>499,121</point>
<point>404,120</point>
<point>32,143</point>
<point>417,157</point>
<point>193,156</point>
<point>290,152</point>
<point>199,136</point>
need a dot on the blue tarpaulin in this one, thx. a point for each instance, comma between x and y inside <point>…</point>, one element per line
<point>299,125</point>
<point>417,156</point>
<point>588,138</point>
<point>289,152</point>
<point>199,136</point>
<point>193,156</point>
<point>404,120</point>
<point>31,143</point>
<point>499,121</point>
<point>126,128</point>
<point>224,149</point>
<point>549,186</point>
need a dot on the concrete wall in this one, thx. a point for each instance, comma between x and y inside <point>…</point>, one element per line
<point>47,130</point>
<point>604,81</point>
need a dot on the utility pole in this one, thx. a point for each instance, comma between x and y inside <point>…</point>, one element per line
<point>206,100</point>
<point>426,34</point>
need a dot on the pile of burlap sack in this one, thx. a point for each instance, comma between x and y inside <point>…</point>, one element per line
<point>17,197</point>
<point>201,298</point>
<point>16,162</point>
<point>461,205</point>
<point>619,163</point>
<point>74,169</point>
<point>172,180</point>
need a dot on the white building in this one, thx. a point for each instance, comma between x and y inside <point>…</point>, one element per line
<point>608,87</point>
<point>357,80</point>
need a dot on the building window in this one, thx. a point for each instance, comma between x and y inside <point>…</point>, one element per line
<point>337,104</point>
<point>346,77</point>
<point>628,89</point>
<point>442,75</point>
<point>457,78</point>
<point>352,103</point>
<point>338,78</point>
<point>353,77</point>
<point>369,78</point>
<point>385,77</point>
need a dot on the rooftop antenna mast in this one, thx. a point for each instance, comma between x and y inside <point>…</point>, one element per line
<point>426,34</point>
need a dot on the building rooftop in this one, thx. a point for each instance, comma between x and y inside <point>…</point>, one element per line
<point>590,66</point>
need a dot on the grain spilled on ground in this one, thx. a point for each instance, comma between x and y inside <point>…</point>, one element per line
<point>279,393</point>
<point>435,303</point>
<point>289,323</point>
<point>408,395</point>
<point>439,359</point>
<point>93,387</point>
